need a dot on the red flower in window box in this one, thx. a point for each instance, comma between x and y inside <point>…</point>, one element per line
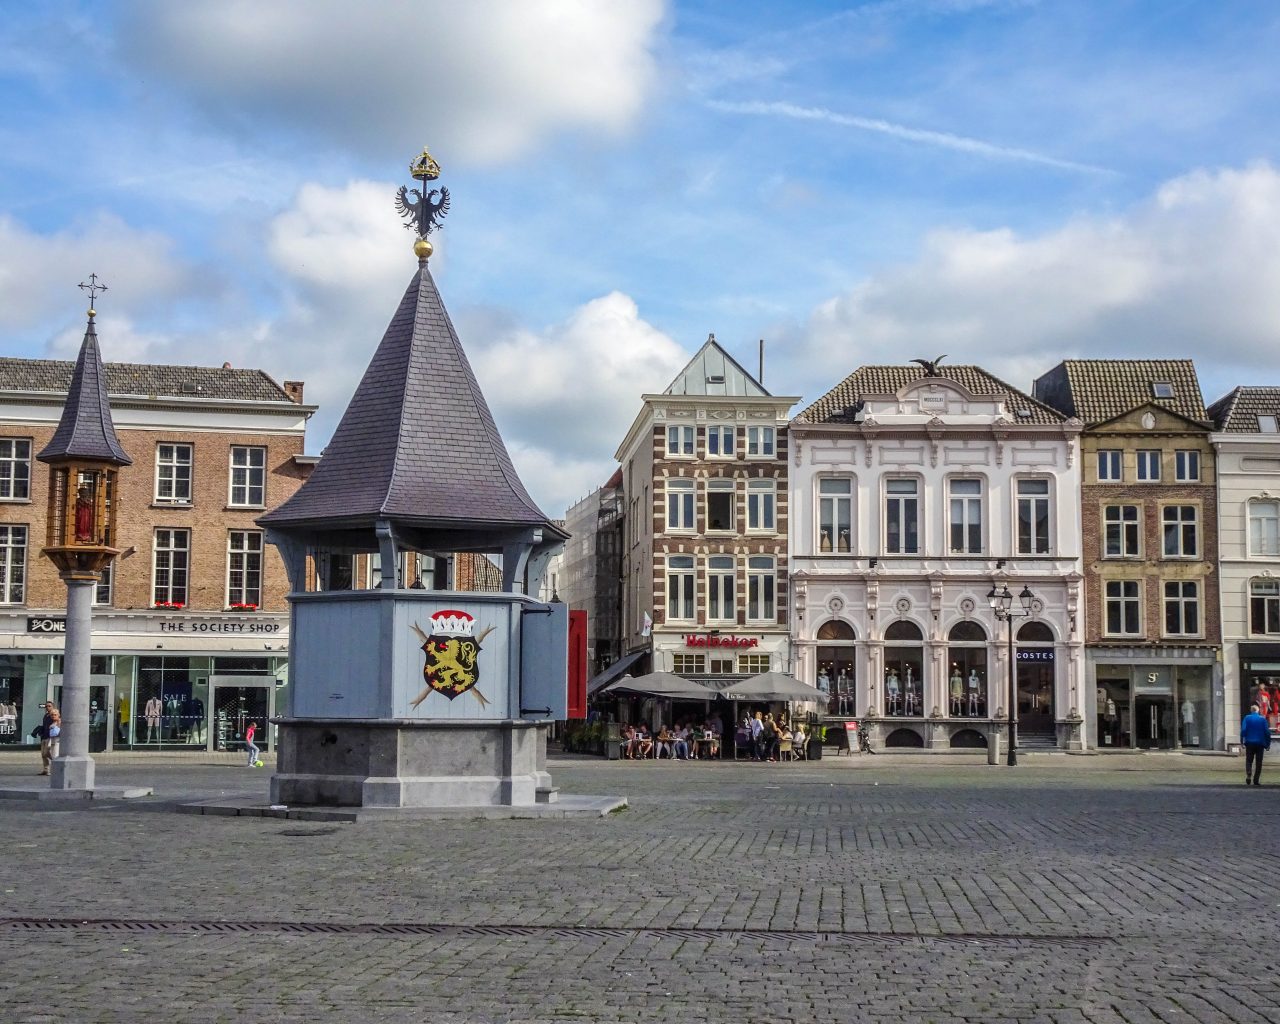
<point>172,606</point>
<point>243,607</point>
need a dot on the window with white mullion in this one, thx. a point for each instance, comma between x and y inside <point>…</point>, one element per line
<point>761,497</point>
<point>1033,517</point>
<point>720,442</point>
<point>721,589</point>
<point>835,514</point>
<point>1123,608</point>
<point>248,476</point>
<point>1182,608</point>
<point>173,474</point>
<point>902,517</point>
<point>1180,531</point>
<point>760,442</point>
<point>761,589</point>
<point>102,592</point>
<point>680,588</point>
<point>965,533</point>
<point>244,568</point>
<point>15,469</point>
<point>1121,531</point>
<point>13,564</point>
<point>1264,608</point>
<point>680,504</point>
<point>1264,528</point>
<point>679,440</point>
<point>172,566</point>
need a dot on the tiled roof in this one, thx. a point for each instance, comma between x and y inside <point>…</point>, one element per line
<point>839,404</point>
<point>1097,390</point>
<point>712,371</point>
<point>145,379</point>
<point>86,429</point>
<point>417,443</point>
<point>1238,411</point>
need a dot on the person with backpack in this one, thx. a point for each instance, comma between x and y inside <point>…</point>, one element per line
<point>49,732</point>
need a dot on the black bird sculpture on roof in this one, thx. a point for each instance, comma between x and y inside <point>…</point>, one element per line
<point>931,365</point>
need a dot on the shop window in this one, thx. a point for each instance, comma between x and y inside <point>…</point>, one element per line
<point>721,664</point>
<point>1033,517</point>
<point>967,672</point>
<point>168,706</point>
<point>720,495</point>
<point>679,440</point>
<point>1186,466</point>
<point>760,442</point>
<point>902,516</point>
<point>1121,532</point>
<point>836,650</point>
<point>721,598</point>
<point>15,469</point>
<point>1180,531</point>
<point>1264,608</point>
<point>1264,528</point>
<point>1110,465</point>
<point>688,664</point>
<point>1149,466</point>
<point>248,476</point>
<point>903,670</point>
<point>835,513</point>
<point>1182,608</point>
<point>173,474</point>
<point>1123,608</point>
<point>761,498</point>
<point>680,588</point>
<point>761,588</point>
<point>679,504</point>
<point>244,568</point>
<point>720,442</point>
<point>172,554</point>
<point>965,500</point>
<point>13,564</point>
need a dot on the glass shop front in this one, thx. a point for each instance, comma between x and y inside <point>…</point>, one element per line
<point>1155,706</point>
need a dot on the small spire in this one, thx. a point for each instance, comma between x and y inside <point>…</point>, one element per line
<point>93,288</point>
<point>425,212</point>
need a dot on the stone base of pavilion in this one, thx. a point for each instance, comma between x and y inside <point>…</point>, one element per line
<point>43,794</point>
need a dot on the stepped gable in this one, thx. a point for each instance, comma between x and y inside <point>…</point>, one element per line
<point>1237,411</point>
<point>417,444</point>
<point>840,403</point>
<point>86,430</point>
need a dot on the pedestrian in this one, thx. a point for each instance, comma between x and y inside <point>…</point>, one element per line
<point>253,750</point>
<point>50,737</point>
<point>1255,734</point>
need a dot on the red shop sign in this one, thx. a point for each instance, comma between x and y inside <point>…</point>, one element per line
<point>714,640</point>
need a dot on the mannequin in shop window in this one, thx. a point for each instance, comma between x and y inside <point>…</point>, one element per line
<point>845,691</point>
<point>893,693</point>
<point>956,688</point>
<point>913,698</point>
<point>974,686</point>
<point>1189,735</point>
<point>1112,722</point>
<point>151,712</point>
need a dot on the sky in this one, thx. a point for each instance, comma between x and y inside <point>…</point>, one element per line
<point>1008,182</point>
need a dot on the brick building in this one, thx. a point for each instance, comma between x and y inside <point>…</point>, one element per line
<point>1149,518</point>
<point>191,620</point>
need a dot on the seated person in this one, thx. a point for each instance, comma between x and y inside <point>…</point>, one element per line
<point>682,750</point>
<point>798,740</point>
<point>665,742</point>
<point>628,735</point>
<point>644,742</point>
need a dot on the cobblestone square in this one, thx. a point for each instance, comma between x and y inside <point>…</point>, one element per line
<point>1066,890</point>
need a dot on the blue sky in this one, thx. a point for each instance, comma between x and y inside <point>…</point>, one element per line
<point>1006,181</point>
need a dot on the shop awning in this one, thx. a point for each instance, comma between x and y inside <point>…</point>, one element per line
<point>663,684</point>
<point>773,686</point>
<point>602,679</point>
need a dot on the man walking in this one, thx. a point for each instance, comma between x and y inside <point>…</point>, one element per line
<point>1255,734</point>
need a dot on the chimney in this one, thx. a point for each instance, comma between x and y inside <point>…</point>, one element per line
<point>293,388</point>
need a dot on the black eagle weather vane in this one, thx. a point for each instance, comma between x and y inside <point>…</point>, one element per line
<point>424,212</point>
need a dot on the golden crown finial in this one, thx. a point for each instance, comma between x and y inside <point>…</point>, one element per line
<point>424,166</point>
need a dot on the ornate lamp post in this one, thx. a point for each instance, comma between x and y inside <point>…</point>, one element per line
<point>1002,604</point>
<point>83,457</point>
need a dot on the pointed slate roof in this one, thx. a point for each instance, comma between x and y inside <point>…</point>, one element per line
<point>417,443</point>
<point>712,371</point>
<point>86,430</point>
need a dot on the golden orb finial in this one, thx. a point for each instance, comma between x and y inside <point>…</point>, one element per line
<point>423,249</point>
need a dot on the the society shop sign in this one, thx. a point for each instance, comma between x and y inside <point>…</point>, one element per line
<point>198,626</point>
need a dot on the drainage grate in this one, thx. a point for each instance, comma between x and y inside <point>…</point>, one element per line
<point>1010,941</point>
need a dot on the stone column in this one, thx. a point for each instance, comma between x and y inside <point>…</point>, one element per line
<point>74,768</point>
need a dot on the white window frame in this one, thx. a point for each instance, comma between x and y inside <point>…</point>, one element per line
<point>762,442</point>
<point>15,469</point>
<point>680,441</point>
<point>1185,523</point>
<point>682,580</point>
<point>688,664</point>
<point>681,493</point>
<point>1126,529</point>
<point>241,558</point>
<point>720,486</point>
<point>753,664</point>
<point>908,507</point>
<point>104,589</point>
<point>969,505</point>
<point>722,590</point>
<point>722,442</point>
<point>169,463</point>
<point>1126,601</point>
<point>1186,465</point>
<point>1267,592</point>
<point>1268,424</point>
<point>1036,545</point>
<point>1110,465</point>
<point>14,538</point>
<point>246,452</point>
<point>762,505</point>
<point>177,565</point>
<point>762,588</point>
<point>1264,529</point>
<point>829,504</point>
<point>1184,603</point>
<point>1148,462</point>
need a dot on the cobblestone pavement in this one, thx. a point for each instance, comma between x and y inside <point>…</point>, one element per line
<point>1064,891</point>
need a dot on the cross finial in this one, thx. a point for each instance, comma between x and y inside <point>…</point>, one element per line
<point>93,288</point>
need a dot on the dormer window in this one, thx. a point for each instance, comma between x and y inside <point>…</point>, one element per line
<point>1266,425</point>
<point>715,378</point>
<point>1162,389</point>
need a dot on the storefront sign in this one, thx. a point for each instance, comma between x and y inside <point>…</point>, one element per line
<point>1041,655</point>
<point>217,626</point>
<point>712,640</point>
<point>46,624</point>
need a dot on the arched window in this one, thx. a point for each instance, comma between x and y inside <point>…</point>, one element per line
<point>967,670</point>
<point>1035,633</point>
<point>836,662</point>
<point>903,669</point>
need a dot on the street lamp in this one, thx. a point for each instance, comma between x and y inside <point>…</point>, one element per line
<point>1002,604</point>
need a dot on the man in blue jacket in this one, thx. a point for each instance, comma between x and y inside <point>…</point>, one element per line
<point>1255,734</point>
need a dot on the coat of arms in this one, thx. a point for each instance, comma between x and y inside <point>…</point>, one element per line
<point>451,665</point>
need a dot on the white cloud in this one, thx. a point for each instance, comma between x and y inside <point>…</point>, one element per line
<point>482,80</point>
<point>1193,271</point>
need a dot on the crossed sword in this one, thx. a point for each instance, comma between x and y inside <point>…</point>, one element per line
<point>484,701</point>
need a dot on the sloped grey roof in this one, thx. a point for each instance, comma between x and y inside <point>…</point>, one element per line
<point>86,429</point>
<point>1238,411</point>
<point>417,444</point>
<point>712,371</point>
<point>1097,390</point>
<point>145,379</point>
<point>839,404</point>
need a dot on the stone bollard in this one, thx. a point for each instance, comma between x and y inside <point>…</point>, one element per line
<point>993,747</point>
